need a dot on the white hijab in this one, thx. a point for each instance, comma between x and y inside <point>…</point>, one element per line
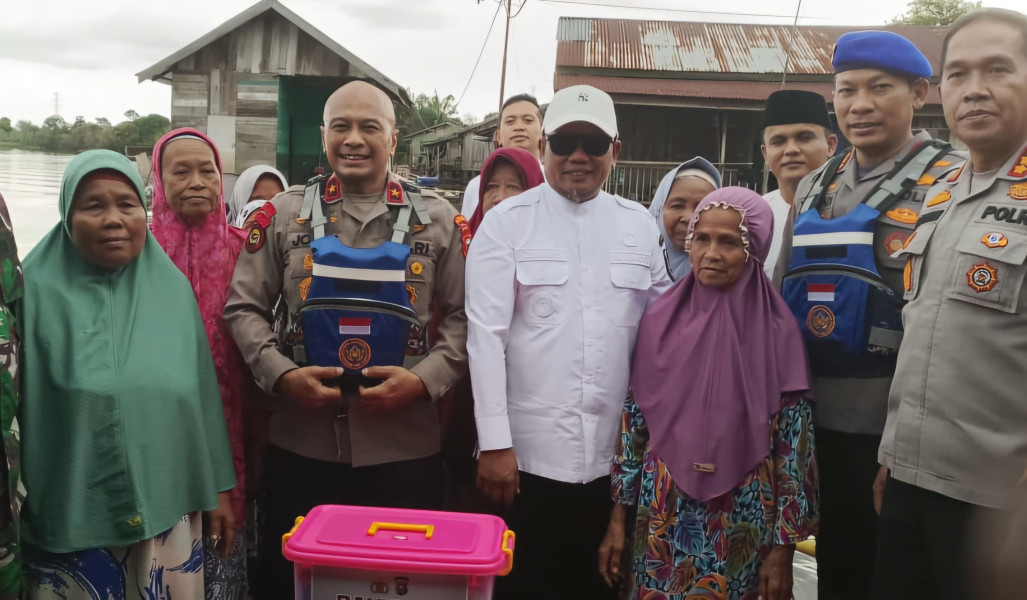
<point>677,259</point>
<point>244,187</point>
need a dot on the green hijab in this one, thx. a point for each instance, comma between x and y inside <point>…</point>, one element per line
<point>121,419</point>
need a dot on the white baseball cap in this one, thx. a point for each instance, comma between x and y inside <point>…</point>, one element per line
<point>581,103</point>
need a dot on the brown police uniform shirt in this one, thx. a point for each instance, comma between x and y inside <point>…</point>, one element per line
<point>957,412</point>
<point>280,269</point>
<point>859,405</point>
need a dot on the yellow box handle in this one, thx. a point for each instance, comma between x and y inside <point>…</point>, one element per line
<point>285,537</point>
<point>508,551</point>
<point>427,530</point>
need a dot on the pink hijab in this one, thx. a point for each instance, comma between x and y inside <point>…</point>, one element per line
<point>207,253</point>
<point>711,366</point>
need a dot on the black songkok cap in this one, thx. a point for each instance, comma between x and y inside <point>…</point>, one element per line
<point>786,107</point>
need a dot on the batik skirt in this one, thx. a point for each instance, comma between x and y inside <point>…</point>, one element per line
<point>166,567</point>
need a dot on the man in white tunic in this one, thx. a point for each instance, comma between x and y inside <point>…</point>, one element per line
<point>557,279</point>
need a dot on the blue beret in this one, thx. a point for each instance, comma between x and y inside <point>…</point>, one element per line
<point>879,50</point>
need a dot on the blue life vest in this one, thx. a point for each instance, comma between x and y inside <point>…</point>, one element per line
<point>357,312</point>
<point>850,317</point>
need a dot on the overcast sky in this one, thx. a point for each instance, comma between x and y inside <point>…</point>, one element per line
<point>88,52</point>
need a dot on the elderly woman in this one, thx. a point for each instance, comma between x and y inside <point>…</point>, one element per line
<point>506,173</point>
<point>676,197</point>
<point>718,438</point>
<point>255,187</point>
<point>190,224</point>
<point>124,440</point>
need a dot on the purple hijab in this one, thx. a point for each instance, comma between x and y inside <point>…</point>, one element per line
<point>711,366</point>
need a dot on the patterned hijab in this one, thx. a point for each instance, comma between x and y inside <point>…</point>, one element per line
<point>206,253</point>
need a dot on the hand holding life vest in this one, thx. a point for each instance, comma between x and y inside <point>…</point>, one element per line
<point>306,386</point>
<point>399,387</point>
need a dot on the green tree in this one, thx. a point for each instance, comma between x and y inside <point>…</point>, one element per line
<point>55,123</point>
<point>103,122</point>
<point>131,115</point>
<point>151,128</point>
<point>430,111</point>
<point>5,125</point>
<point>121,135</point>
<point>935,13</point>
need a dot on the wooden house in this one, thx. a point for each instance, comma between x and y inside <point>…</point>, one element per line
<point>257,85</point>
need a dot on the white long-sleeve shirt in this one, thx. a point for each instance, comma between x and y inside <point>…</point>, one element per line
<point>555,291</point>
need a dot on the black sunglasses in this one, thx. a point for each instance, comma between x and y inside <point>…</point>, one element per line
<point>565,144</point>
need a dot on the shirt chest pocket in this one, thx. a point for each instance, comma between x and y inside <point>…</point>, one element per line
<point>542,275</point>
<point>631,277</point>
<point>989,269</point>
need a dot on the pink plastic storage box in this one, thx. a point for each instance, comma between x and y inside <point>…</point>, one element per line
<point>366,553</point>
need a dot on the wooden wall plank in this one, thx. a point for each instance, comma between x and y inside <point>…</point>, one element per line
<point>215,92</point>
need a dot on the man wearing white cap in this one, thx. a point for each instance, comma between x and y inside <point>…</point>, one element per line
<point>557,279</point>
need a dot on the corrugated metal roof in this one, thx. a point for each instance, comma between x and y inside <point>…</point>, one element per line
<point>711,47</point>
<point>702,88</point>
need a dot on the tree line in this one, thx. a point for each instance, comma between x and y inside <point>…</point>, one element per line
<point>57,135</point>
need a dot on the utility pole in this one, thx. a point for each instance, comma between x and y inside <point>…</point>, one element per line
<point>506,42</point>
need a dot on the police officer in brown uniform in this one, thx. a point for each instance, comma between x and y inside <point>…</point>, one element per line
<point>845,289</point>
<point>956,434</point>
<point>374,445</point>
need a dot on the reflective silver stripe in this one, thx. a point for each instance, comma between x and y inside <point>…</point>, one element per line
<point>359,274</point>
<point>834,239</point>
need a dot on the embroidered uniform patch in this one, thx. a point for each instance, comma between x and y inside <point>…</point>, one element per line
<point>820,321</point>
<point>1020,168</point>
<point>1018,191</point>
<point>995,240</point>
<point>902,215</point>
<point>416,268</point>
<point>333,189</point>
<point>308,262</point>
<point>255,238</point>
<point>982,278</point>
<point>941,198</point>
<point>394,193</point>
<point>465,233</point>
<point>412,291</point>
<point>304,288</point>
<point>894,242</point>
<point>907,274</point>
<point>354,353</point>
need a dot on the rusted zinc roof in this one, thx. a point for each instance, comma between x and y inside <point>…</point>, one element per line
<point>705,89</point>
<point>742,50</point>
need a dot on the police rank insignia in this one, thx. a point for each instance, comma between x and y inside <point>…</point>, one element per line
<point>394,193</point>
<point>995,240</point>
<point>982,278</point>
<point>465,233</point>
<point>1018,191</point>
<point>333,189</point>
<point>902,215</point>
<point>820,321</point>
<point>1020,168</point>
<point>925,179</point>
<point>354,353</point>
<point>416,268</point>
<point>941,198</point>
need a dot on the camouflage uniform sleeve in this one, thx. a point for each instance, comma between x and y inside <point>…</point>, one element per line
<point>446,362</point>
<point>255,291</point>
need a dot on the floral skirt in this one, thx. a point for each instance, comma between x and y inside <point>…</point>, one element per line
<point>166,567</point>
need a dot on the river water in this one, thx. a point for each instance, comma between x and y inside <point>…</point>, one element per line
<point>30,182</point>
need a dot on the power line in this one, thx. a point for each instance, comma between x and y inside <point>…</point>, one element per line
<point>480,54</point>
<point>676,10</point>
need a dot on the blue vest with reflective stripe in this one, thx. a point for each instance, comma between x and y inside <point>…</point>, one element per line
<point>357,313</point>
<point>849,316</point>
